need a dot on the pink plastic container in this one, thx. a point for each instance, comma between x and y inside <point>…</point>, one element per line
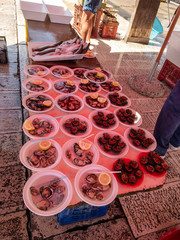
<point>36,71</point>
<point>108,102</point>
<point>121,95</point>
<point>53,121</point>
<point>33,145</point>
<point>46,84</point>
<point>64,72</point>
<point>36,95</point>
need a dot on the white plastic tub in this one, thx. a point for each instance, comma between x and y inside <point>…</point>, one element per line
<point>58,18</point>
<point>173,50</point>
<point>55,7</point>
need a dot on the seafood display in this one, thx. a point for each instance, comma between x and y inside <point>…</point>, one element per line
<point>126,116</point>
<point>118,100</point>
<point>130,172</point>
<point>79,73</point>
<point>75,126</point>
<point>93,189</point>
<point>78,156</point>
<point>36,85</point>
<point>153,163</point>
<point>49,195</point>
<point>110,86</point>
<point>40,128</point>
<point>104,120</point>
<point>71,46</point>
<point>111,144</point>
<point>36,70</point>
<point>42,158</point>
<point>138,138</point>
<point>95,76</point>
<point>65,86</point>
<point>61,71</point>
<point>70,103</point>
<point>87,86</point>
<point>96,101</point>
<point>38,103</point>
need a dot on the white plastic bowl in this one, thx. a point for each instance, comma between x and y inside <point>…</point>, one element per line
<point>61,92</point>
<point>45,69</point>
<point>33,145</point>
<point>99,89</point>
<point>61,68</point>
<point>45,83</point>
<point>111,155</point>
<point>65,96</point>
<point>84,100</point>
<point>79,69</point>
<point>120,95</point>
<point>109,195</point>
<point>120,90</point>
<point>69,145</point>
<point>82,118</point>
<point>54,122</point>
<point>35,95</point>
<point>44,178</point>
<point>94,71</point>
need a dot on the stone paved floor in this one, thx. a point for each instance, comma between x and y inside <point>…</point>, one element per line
<point>123,60</point>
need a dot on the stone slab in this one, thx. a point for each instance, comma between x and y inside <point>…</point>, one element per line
<point>12,182</point>
<point>151,211</point>
<point>173,173</point>
<point>11,121</point>
<point>10,145</point>
<point>45,226</point>
<point>9,82</point>
<point>148,119</point>
<point>114,229</point>
<point>13,226</point>
<point>10,100</point>
<point>175,155</point>
<point>11,68</point>
<point>12,58</point>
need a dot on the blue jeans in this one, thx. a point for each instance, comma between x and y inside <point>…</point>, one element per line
<point>92,5</point>
<point>167,129</point>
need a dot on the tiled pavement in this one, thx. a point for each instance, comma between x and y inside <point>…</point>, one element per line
<point>123,60</point>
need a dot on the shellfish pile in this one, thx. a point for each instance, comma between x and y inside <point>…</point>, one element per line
<point>41,127</point>
<point>38,103</point>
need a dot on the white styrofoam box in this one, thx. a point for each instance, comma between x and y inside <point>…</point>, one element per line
<point>33,14</point>
<point>36,5</point>
<point>173,50</point>
<point>56,7</point>
<point>64,19</point>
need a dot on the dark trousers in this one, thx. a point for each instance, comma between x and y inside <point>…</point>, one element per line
<point>167,129</point>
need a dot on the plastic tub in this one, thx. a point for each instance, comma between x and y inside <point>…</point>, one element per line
<point>60,82</point>
<point>65,72</point>
<point>70,95</point>
<point>44,83</point>
<point>54,122</point>
<point>108,104</point>
<point>40,71</point>
<point>110,83</point>
<point>33,145</point>
<point>105,78</point>
<point>36,95</point>
<point>81,118</point>
<point>109,154</point>
<point>69,146</point>
<point>137,122</point>
<point>147,135</point>
<point>79,180</point>
<point>120,95</point>
<point>93,113</point>
<point>44,179</point>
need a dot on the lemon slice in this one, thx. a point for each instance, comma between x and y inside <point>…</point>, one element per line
<point>47,103</point>
<point>104,178</point>
<point>84,81</point>
<point>101,99</point>
<point>28,125</point>
<point>115,83</point>
<point>89,54</point>
<point>94,95</point>
<point>45,144</point>
<point>69,82</point>
<point>100,74</point>
<point>41,73</point>
<point>65,75</point>
<point>37,82</point>
<point>98,69</point>
<point>84,145</point>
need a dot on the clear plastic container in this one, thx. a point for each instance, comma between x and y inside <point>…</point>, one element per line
<point>36,71</point>
<point>79,180</point>
<point>46,84</point>
<point>50,119</point>
<point>64,72</point>
<point>98,90</point>
<point>44,179</point>
<point>36,95</point>
<point>29,147</point>
<point>95,72</point>
<point>81,118</point>
<point>108,102</point>
<point>111,91</point>
<point>60,82</point>
<point>63,96</point>
<point>109,154</point>
<point>80,69</point>
<point>121,95</point>
<point>69,146</point>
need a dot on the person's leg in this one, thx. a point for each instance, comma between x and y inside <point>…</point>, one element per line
<point>167,126</point>
<point>175,140</point>
<point>88,36</point>
<point>86,24</point>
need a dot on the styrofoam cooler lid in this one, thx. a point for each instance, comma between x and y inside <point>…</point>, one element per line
<point>173,49</point>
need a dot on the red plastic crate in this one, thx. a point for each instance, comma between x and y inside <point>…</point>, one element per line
<point>109,30</point>
<point>170,73</point>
